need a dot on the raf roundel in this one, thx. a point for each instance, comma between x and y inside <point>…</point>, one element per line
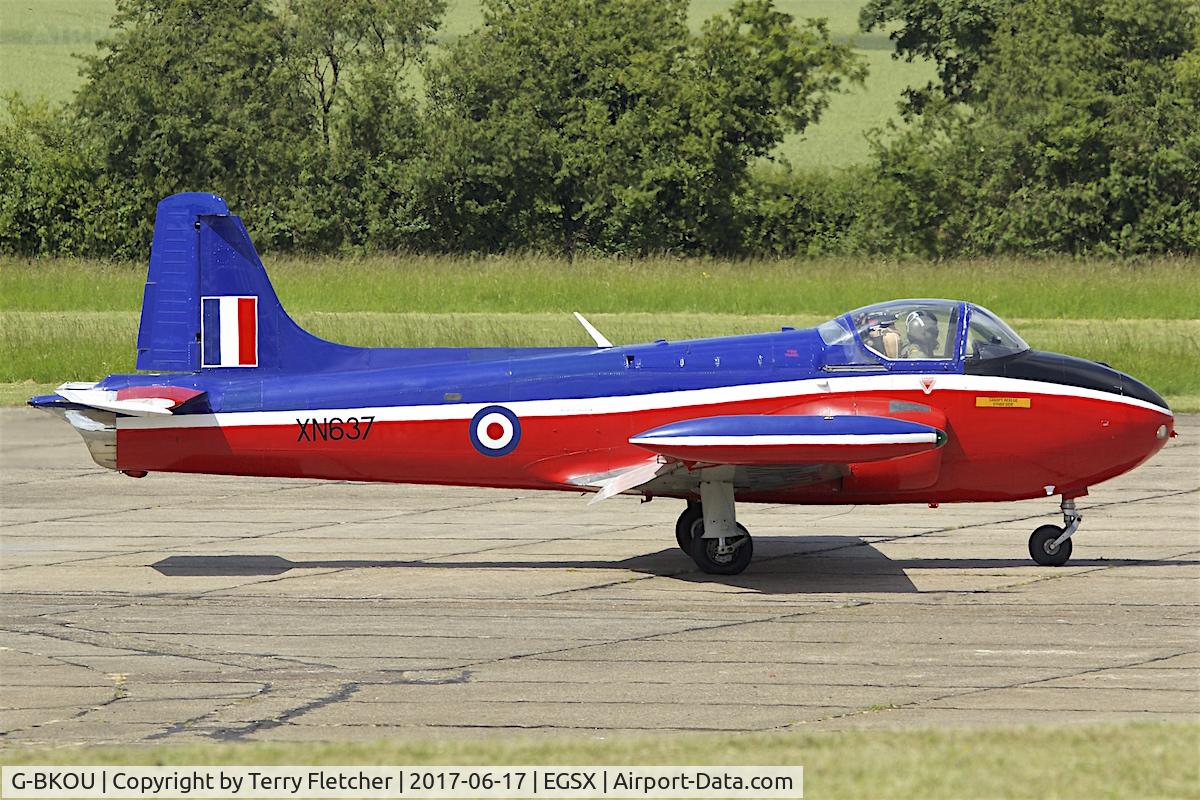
<point>495,431</point>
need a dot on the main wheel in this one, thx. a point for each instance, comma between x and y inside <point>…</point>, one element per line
<point>1045,551</point>
<point>685,526</point>
<point>710,558</point>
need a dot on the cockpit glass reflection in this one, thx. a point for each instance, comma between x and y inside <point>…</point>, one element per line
<point>989,337</point>
<point>908,329</point>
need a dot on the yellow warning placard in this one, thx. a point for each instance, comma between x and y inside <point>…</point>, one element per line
<point>1002,402</point>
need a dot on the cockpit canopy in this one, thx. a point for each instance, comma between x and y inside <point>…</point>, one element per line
<point>923,330</point>
<point>989,337</point>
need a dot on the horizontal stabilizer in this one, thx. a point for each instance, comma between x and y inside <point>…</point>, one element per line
<point>789,439</point>
<point>138,401</point>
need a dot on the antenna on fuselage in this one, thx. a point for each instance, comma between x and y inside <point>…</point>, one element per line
<point>601,340</point>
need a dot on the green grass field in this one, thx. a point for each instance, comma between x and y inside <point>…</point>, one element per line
<point>38,39</point>
<point>71,320</point>
<point>1143,760</point>
<point>1059,288</point>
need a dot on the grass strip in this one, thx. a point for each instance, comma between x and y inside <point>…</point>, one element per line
<point>1013,288</point>
<point>1142,759</point>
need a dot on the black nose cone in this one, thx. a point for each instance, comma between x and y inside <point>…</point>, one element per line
<point>1132,387</point>
<point>1037,365</point>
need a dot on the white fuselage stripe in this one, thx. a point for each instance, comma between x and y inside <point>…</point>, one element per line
<point>229,332</point>
<point>778,390</point>
<point>769,440</point>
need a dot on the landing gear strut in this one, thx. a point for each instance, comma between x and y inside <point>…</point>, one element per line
<point>709,532</point>
<point>1050,545</point>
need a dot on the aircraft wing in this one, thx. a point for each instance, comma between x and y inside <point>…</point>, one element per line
<point>135,401</point>
<point>765,453</point>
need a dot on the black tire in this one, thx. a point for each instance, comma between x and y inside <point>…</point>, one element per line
<point>1042,549</point>
<point>703,552</point>
<point>685,526</point>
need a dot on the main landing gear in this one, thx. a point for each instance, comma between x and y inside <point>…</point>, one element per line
<point>1050,545</point>
<point>709,532</point>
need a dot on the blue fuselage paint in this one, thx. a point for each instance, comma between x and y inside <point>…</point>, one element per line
<point>433,376</point>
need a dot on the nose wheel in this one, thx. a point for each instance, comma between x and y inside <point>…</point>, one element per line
<point>1050,545</point>
<point>1045,549</point>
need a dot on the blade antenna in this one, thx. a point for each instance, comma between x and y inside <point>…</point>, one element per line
<point>600,339</point>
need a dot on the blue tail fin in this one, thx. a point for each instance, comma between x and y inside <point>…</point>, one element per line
<point>208,303</point>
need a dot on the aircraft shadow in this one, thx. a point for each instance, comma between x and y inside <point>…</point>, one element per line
<point>835,564</point>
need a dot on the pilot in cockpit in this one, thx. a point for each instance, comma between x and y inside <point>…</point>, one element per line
<point>881,335</point>
<point>921,327</point>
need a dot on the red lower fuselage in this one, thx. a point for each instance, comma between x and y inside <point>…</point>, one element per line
<point>1006,440</point>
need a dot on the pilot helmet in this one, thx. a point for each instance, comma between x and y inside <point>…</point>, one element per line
<point>879,319</point>
<point>922,327</point>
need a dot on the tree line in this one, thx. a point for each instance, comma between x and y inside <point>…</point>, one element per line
<point>610,126</point>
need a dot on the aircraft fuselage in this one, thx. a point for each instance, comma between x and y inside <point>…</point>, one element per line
<point>576,410</point>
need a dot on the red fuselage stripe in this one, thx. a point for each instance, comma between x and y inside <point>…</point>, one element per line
<point>247,338</point>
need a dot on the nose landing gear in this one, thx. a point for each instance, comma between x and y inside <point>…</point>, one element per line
<point>1050,545</point>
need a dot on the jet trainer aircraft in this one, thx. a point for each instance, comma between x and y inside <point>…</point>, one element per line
<point>931,401</point>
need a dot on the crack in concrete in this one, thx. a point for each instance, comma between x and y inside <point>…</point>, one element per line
<point>119,692</point>
<point>225,732</point>
<point>236,733</point>
<point>188,725</point>
<point>650,636</point>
